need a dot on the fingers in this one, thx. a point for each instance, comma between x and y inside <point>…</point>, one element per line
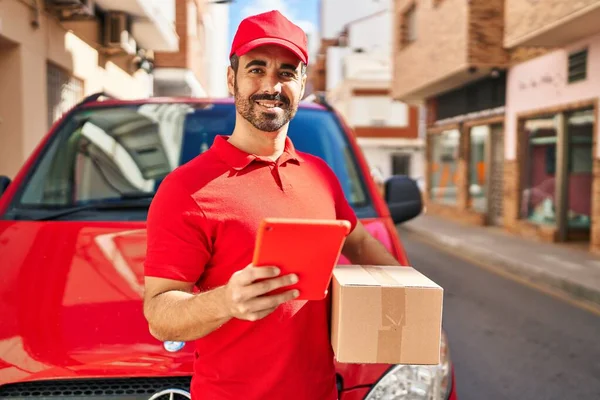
<point>260,307</point>
<point>251,273</point>
<point>263,287</point>
<point>245,292</point>
<point>240,294</point>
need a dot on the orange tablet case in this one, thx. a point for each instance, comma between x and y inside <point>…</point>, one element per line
<point>309,248</point>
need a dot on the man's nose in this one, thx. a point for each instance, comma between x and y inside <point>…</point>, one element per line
<point>271,83</point>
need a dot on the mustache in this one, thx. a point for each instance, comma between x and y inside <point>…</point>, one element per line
<point>271,97</point>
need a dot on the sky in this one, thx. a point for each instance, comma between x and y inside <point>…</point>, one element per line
<point>304,13</point>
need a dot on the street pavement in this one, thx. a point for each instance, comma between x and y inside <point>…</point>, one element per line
<point>562,268</point>
<point>508,340</point>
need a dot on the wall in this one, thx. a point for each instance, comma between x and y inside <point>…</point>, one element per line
<point>378,153</point>
<point>217,24</point>
<point>11,119</point>
<point>372,34</point>
<point>542,83</point>
<point>178,59</point>
<point>486,29</point>
<point>335,14</point>
<point>524,18</point>
<point>335,69</point>
<point>35,47</point>
<point>196,42</point>
<point>203,45</point>
<point>373,66</point>
<point>440,48</point>
<point>364,110</point>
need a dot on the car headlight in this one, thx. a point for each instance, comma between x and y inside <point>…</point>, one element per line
<point>416,382</point>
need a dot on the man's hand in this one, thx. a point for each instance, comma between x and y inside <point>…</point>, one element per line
<point>244,297</point>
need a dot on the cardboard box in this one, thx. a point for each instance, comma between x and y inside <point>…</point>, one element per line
<point>384,314</point>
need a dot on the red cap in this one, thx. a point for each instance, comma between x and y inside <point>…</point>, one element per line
<point>270,28</point>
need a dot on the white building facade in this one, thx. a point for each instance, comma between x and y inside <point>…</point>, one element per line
<point>358,74</point>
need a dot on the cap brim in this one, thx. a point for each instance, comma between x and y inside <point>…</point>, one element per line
<point>278,42</point>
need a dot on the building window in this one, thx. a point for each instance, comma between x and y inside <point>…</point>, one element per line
<point>484,94</point>
<point>578,66</point>
<point>477,168</point>
<point>580,131</point>
<point>401,164</point>
<point>409,25</point>
<point>444,167</point>
<point>538,198</point>
<point>63,92</point>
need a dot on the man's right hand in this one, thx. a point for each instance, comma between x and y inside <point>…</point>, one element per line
<point>244,297</point>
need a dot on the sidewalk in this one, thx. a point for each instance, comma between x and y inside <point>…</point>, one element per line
<point>572,271</point>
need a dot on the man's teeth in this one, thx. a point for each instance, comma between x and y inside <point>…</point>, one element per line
<point>269,105</point>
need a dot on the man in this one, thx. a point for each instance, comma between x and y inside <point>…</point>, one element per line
<point>202,226</point>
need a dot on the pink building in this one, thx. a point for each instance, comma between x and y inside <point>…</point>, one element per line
<point>552,152</point>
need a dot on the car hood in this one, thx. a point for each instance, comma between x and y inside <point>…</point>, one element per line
<point>71,304</point>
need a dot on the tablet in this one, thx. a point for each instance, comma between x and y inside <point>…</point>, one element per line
<point>309,248</point>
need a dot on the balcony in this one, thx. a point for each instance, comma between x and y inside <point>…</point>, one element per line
<point>550,23</point>
<point>152,25</point>
<point>408,131</point>
<point>444,45</point>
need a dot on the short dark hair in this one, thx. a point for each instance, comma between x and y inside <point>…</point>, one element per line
<point>234,61</point>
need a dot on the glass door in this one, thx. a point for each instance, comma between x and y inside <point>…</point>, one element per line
<point>580,134</point>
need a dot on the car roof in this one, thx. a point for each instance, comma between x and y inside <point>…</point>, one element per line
<point>194,100</point>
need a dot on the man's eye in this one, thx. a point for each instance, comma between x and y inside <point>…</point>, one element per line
<point>255,71</point>
<point>288,74</point>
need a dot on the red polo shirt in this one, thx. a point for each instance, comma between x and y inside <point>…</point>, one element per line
<point>202,226</point>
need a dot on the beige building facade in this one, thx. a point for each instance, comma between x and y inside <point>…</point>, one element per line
<point>355,69</point>
<point>52,57</point>
<point>449,58</point>
<point>552,180</point>
<point>511,89</point>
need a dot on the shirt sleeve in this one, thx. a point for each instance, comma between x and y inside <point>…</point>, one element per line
<point>179,244</point>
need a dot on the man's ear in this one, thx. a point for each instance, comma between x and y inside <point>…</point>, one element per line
<point>231,80</point>
<point>304,77</point>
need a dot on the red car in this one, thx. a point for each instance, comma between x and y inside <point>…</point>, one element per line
<point>73,241</point>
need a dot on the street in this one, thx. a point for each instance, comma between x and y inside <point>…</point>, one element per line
<point>509,341</point>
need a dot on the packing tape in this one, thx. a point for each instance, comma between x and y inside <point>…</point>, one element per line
<point>393,317</point>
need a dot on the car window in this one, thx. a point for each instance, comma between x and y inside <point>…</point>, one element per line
<point>108,153</point>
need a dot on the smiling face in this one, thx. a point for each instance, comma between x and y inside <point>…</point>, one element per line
<point>268,85</point>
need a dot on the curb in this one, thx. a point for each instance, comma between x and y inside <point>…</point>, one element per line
<point>524,271</point>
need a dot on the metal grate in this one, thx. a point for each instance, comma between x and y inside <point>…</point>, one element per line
<point>128,388</point>
<point>578,66</point>
<point>63,90</point>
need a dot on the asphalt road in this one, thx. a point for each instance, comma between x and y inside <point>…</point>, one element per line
<point>509,341</point>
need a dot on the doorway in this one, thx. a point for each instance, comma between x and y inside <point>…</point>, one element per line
<point>579,127</point>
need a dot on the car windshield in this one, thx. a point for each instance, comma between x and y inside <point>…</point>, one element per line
<point>119,153</point>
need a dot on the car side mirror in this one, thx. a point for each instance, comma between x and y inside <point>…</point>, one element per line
<point>4,182</point>
<point>403,198</point>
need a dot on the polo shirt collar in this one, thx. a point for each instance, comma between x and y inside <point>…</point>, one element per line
<point>239,159</point>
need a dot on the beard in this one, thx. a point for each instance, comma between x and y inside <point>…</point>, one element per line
<point>264,120</point>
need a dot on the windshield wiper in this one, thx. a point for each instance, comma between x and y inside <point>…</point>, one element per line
<point>137,195</point>
<point>126,201</point>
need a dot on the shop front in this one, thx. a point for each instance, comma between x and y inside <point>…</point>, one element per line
<point>556,156</point>
<point>552,171</point>
<point>465,153</point>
